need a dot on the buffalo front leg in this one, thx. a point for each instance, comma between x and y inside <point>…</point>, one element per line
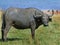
<point>33,26</point>
<point>5,31</point>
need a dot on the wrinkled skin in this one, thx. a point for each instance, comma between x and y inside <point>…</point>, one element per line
<point>22,19</point>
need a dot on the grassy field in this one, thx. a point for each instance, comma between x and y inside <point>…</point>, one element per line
<point>44,35</point>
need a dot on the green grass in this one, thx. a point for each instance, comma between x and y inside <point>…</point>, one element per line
<point>43,35</point>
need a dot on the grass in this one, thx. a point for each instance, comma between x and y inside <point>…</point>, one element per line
<point>43,35</point>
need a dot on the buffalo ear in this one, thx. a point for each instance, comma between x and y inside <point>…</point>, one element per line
<point>50,16</point>
<point>50,19</point>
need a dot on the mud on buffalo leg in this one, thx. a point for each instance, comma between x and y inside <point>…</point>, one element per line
<point>5,31</point>
<point>33,26</point>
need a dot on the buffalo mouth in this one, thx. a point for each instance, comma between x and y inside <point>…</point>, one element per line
<point>46,25</point>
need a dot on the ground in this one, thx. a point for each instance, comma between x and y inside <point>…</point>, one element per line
<point>43,35</point>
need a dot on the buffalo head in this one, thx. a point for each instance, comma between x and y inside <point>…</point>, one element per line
<point>43,18</point>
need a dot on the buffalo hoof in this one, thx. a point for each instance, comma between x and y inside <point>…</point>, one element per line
<point>4,40</point>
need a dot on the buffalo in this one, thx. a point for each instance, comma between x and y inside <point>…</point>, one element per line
<point>23,18</point>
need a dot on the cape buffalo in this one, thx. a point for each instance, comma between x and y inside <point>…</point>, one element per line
<point>23,18</point>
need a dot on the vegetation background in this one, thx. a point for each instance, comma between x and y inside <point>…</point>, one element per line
<point>44,35</point>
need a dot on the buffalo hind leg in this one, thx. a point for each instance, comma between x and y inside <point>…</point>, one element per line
<point>33,26</point>
<point>5,31</point>
<point>3,27</point>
